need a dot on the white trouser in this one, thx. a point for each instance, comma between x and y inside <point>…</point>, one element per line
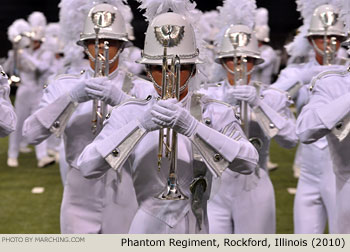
<point>242,204</point>
<point>27,101</point>
<point>87,205</point>
<point>314,202</point>
<point>342,205</point>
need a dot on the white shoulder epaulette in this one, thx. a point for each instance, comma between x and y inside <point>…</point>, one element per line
<point>325,74</point>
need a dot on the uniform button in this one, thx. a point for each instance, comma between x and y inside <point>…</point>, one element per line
<point>82,71</point>
<point>289,97</point>
<point>237,116</point>
<point>217,157</point>
<point>207,121</point>
<point>115,152</point>
<point>219,84</point>
<point>271,125</point>
<point>339,125</point>
<point>3,73</point>
<point>56,124</point>
<point>149,98</point>
<point>45,86</point>
<point>108,115</point>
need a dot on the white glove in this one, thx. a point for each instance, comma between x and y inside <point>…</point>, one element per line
<point>147,121</point>
<point>245,93</point>
<point>79,93</point>
<point>169,114</point>
<point>105,90</point>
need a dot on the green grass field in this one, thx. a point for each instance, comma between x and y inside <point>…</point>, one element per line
<point>24,212</point>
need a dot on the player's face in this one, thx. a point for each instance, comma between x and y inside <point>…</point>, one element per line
<point>229,62</point>
<point>185,73</point>
<point>114,47</point>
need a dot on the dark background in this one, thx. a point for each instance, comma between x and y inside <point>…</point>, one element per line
<point>283,17</point>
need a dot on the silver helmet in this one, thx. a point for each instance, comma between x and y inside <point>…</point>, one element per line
<point>179,34</point>
<point>110,22</point>
<point>239,41</point>
<point>325,21</point>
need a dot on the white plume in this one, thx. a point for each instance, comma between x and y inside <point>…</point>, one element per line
<point>344,7</point>
<point>262,17</point>
<point>37,19</point>
<point>236,12</point>
<point>307,7</point>
<point>155,7</point>
<point>17,27</point>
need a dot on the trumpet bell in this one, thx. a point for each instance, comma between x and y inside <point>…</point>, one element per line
<point>172,190</point>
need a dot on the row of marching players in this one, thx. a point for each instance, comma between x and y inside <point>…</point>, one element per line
<point>185,148</point>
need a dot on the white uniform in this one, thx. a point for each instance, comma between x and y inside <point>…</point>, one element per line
<point>35,66</point>
<point>314,202</point>
<point>8,117</point>
<point>123,142</point>
<point>84,201</point>
<point>246,204</point>
<point>263,72</point>
<point>327,114</point>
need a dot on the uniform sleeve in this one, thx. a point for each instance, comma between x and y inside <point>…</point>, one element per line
<point>52,116</point>
<point>224,145</point>
<point>41,64</point>
<point>275,118</point>
<point>323,111</point>
<point>112,147</point>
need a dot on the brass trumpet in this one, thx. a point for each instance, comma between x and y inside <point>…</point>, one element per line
<point>240,39</point>
<point>169,36</point>
<point>15,76</point>
<point>99,108</point>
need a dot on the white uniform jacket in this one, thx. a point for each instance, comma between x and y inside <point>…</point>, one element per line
<point>123,142</point>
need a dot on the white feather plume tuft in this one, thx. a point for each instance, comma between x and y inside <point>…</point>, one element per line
<point>37,19</point>
<point>155,7</point>
<point>307,7</point>
<point>235,12</point>
<point>300,46</point>
<point>344,7</point>
<point>17,27</point>
<point>262,17</point>
<point>238,12</point>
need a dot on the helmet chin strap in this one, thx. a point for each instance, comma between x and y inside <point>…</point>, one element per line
<point>111,61</point>
<point>322,52</point>
<point>232,72</point>
<point>182,88</point>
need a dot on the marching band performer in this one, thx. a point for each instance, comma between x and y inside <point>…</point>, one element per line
<point>327,115</point>
<point>73,105</point>
<point>246,204</point>
<point>264,71</point>
<point>8,116</point>
<point>34,64</point>
<point>314,202</point>
<point>201,130</point>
